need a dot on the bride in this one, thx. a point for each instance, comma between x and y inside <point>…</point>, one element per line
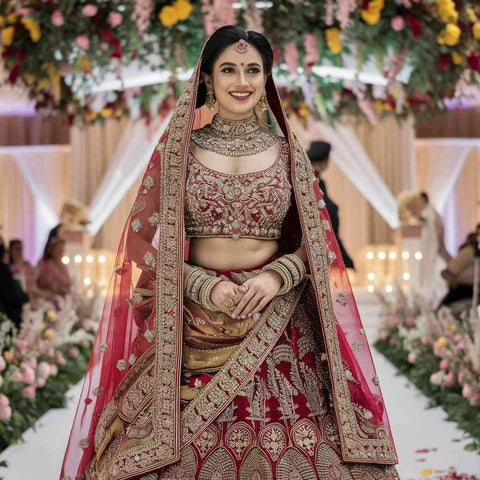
<point>230,344</point>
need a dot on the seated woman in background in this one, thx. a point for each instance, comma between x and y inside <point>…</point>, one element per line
<point>459,271</point>
<point>21,269</point>
<point>52,275</point>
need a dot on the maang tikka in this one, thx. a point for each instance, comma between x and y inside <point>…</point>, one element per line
<point>241,46</point>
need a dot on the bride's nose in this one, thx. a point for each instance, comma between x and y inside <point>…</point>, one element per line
<point>241,78</point>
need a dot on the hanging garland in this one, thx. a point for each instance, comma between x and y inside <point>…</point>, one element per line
<point>60,50</point>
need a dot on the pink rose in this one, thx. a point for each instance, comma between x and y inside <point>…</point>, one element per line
<point>28,374</point>
<point>88,325</point>
<point>43,369</point>
<point>4,401</point>
<point>436,378</point>
<point>383,335</point>
<point>57,18</point>
<point>397,23</point>
<point>444,363</point>
<point>22,345</point>
<point>17,376</point>
<point>5,412</point>
<point>73,352</point>
<point>467,391</point>
<point>425,340</point>
<point>475,400</point>
<point>31,362</point>
<point>412,357</point>
<point>89,10</point>
<point>29,392</point>
<point>84,343</point>
<point>450,379</point>
<point>83,42</point>
<point>53,370</point>
<point>3,364</point>
<point>115,19</point>
<point>463,375</point>
<point>40,382</point>
<point>25,11</point>
<point>60,359</point>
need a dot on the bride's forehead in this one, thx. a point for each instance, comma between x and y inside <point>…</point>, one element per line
<point>231,55</point>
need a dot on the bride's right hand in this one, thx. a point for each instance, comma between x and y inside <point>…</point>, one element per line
<point>223,291</point>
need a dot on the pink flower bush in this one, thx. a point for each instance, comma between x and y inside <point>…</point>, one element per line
<point>291,57</point>
<point>3,364</point>
<point>83,42</point>
<point>467,391</point>
<point>17,376</point>
<point>398,23</point>
<point>43,370</point>
<point>412,357</point>
<point>115,19</point>
<point>436,378</point>
<point>59,358</point>
<point>29,392</point>
<point>5,412</point>
<point>40,382</point>
<point>311,50</point>
<point>450,379</point>
<point>28,374</point>
<point>57,18</point>
<point>73,352</point>
<point>89,10</point>
<point>444,363</point>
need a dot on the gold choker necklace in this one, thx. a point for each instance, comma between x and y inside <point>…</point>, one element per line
<point>234,138</point>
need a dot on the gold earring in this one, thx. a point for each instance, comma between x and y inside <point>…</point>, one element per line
<point>210,100</point>
<point>262,103</point>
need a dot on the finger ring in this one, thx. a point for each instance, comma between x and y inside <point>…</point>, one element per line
<point>256,316</point>
<point>242,289</point>
<point>229,304</point>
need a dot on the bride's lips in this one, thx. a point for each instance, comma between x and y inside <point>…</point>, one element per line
<point>241,96</point>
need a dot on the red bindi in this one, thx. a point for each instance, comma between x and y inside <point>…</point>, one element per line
<point>242,64</point>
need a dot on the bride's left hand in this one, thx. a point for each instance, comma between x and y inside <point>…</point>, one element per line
<point>261,289</point>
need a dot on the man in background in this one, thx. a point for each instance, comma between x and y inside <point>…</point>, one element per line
<point>319,154</point>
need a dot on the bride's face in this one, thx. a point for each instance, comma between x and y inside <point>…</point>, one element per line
<point>238,82</point>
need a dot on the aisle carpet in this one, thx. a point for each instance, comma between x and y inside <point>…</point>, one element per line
<point>424,440</point>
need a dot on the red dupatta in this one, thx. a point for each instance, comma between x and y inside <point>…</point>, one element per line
<point>136,358</point>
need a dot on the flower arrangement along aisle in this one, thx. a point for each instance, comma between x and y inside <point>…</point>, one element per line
<point>61,50</point>
<point>39,363</point>
<point>439,353</point>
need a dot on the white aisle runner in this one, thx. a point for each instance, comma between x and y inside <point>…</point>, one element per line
<point>414,428</point>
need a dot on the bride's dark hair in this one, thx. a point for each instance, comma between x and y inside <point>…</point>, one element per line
<point>223,38</point>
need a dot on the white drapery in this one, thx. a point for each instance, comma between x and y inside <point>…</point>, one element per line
<point>348,153</point>
<point>44,169</point>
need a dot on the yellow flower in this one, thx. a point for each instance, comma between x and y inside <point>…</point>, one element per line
<point>51,314</point>
<point>334,40</point>
<point>452,328</point>
<point>106,112</point>
<point>7,36</point>
<point>426,472</point>
<point>90,115</point>
<point>2,21</point>
<point>168,16</point>
<point>303,111</point>
<point>48,333</point>
<point>183,8</point>
<point>476,30</point>
<point>118,112</point>
<point>29,78</point>
<point>471,14</point>
<point>457,58</point>
<point>442,342</point>
<point>12,18</point>
<point>43,84</point>
<point>452,34</point>
<point>85,64</point>
<point>446,10</point>
<point>372,14</point>
<point>33,28</point>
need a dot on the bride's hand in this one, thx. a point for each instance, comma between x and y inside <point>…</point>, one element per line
<point>261,289</point>
<point>225,290</point>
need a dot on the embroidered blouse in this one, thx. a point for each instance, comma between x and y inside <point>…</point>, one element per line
<point>243,205</point>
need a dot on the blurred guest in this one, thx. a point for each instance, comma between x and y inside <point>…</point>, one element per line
<point>20,268</point>
<point>12,297</point>
<point>460,270</point>
<point>52,275</point>
<point>319,154</point>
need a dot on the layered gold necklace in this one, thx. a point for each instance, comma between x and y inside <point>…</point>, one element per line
<point>234,138</point>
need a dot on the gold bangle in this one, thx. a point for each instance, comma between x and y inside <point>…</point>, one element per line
<point>229,304</point>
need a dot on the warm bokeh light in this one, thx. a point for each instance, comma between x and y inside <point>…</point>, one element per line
<point>382,255</point>
<point>65,260</point>
<point>388,288</point>
<point>371,288</point>
<point>406,276</point>
<point>405,255</point>
<point>102,258</point>
<point>392,255</point>
<point>418,255</point>
<point>89,258</point>
<point>77,258</point>
<point>370,255</point>
<point>87,281</point>
<point>371,276</point>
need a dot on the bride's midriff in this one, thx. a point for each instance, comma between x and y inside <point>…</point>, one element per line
<point>219,253</point>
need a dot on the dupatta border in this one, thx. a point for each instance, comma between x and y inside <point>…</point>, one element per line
<point>355,448</point>
<point>162,447</point>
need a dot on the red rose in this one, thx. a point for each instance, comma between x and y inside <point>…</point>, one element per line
<point>444,62</point>
<point>474,61</point>
<point>415,25</point>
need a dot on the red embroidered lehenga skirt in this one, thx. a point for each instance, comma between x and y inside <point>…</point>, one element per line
<point>282,425</point>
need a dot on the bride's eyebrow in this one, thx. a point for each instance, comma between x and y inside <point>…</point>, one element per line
<point>230,64</point>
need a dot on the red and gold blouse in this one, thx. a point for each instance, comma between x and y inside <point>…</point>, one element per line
<point>251,205</point>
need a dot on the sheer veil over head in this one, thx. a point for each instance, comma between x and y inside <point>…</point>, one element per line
<point>133,376</point>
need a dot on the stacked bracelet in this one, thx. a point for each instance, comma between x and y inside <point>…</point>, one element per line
<point>199,286</point>
<point>290,268</point>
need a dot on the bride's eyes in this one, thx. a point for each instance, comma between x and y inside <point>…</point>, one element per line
<point>252,70</point>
